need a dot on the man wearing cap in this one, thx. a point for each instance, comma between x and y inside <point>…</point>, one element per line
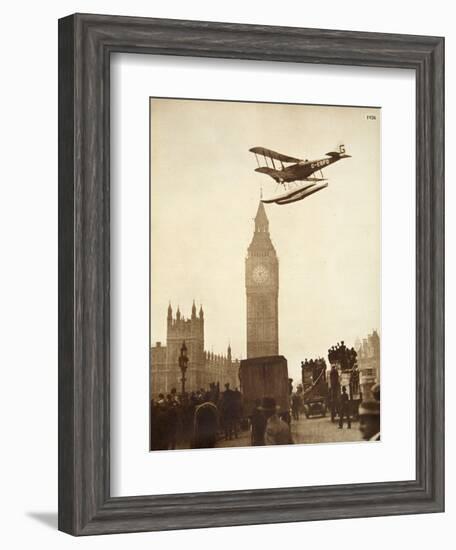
<point>334,390</point>
<point>277,431</point>
<point>369,420</point>
<point>344,409</point>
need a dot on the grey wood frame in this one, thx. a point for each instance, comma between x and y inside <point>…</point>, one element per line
<point>85,45</point>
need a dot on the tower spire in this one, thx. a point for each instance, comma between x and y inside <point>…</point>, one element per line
<point>193,310</point>
<point>261,220</point>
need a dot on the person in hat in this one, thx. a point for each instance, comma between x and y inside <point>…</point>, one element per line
<point>375,390</point>
<point>369,420</point>
<point>159,425</point>
<point>257,424</point>
<point>228,408</point>
<point>205,426</point>
<point>277,432</point>
<point>334,390</point>
<point>344,409</point>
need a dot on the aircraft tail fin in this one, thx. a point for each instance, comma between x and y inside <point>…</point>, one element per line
<point>338,154</point>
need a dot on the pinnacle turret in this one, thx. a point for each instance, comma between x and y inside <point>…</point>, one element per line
<point>261,220</point>
<point>193,310</point>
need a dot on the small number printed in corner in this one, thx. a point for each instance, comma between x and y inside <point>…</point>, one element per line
<point>371,117</point>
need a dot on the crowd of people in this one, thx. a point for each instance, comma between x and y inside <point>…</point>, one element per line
<point>201,418</point>
<point>366,410</point>
<point>344,356</point>
<point>344,400</point>
<point>316,368</point>
<point>196,419</point>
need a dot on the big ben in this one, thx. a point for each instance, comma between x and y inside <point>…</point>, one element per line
<point>262,289</point>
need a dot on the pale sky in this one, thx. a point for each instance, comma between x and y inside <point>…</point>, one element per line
<point>205,193</point>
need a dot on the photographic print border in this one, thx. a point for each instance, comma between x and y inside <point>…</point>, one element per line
<point>85,45</point>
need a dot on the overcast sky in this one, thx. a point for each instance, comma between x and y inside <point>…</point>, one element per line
<point>205,193</point>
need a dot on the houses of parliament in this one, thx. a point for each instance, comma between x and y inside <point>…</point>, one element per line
<point>204,368</point>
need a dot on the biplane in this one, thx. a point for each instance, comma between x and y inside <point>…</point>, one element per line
<point>297,177</point>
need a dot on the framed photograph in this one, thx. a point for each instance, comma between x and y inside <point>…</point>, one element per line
<point>251,244</point>
<point>204,399</point>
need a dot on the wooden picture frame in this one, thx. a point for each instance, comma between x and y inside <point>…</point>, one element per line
<point>85,45</point>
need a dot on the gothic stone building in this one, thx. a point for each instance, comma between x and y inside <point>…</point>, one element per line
<point>203,367</point>
<point>368,362</point>
<point>262,289</point>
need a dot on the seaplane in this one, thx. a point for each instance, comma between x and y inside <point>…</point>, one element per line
<point>296,178</point>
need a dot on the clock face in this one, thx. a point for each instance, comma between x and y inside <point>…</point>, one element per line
<point>260,274</point>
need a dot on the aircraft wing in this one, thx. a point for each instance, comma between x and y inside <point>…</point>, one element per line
<point>273,155</point>
<point>267,170</point>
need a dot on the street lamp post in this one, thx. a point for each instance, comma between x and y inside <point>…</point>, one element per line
<point>183,360</point>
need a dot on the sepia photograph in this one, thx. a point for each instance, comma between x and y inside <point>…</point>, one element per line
<point>265,274</point>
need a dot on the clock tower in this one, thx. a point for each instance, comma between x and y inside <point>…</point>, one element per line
<point>262,288</point>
